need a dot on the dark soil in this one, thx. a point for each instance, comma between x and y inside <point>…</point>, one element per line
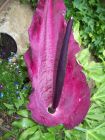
<point>5,124</point>
<point>5,121</point>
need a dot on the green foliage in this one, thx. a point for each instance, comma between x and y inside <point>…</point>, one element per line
<point>32,2</point>
<point>13,77</point>
<point>89,17</point>
<point>23,123</point>
<point>95,119</point>
<point>92,128</point>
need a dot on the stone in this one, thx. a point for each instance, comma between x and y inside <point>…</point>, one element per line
<point>15,19</point>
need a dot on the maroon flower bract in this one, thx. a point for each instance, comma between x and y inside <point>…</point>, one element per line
<point>46,35</point>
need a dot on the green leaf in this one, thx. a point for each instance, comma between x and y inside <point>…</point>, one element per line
<point>94,136</point>
<point>48,136</point>
<point>67,134</point>
<point>23,123</point>
<point>36,136</point>
<point>96,72</point>
<point>55,129</point>
<point>76,33</point>
<point>100,94</point>
<point>27,133</point>
<point>7,135</point>
<point>23,113</point>
<point>20,101</point>
<point>9,106</point>
<point>96,116</point>
<point>84,57</point>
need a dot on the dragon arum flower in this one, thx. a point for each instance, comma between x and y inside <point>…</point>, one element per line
<point>60,93</point>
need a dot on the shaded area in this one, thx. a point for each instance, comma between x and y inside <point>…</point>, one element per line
<point>8,46</point>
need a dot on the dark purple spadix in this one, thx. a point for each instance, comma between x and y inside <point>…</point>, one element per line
<point>62,65</point>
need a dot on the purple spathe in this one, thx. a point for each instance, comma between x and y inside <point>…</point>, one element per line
<point>46,35</point>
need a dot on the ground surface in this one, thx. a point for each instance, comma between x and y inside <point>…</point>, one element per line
<point>1,2</point>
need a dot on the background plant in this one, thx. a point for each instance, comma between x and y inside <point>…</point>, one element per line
<point>13,80</point>
<point>89,19</point>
